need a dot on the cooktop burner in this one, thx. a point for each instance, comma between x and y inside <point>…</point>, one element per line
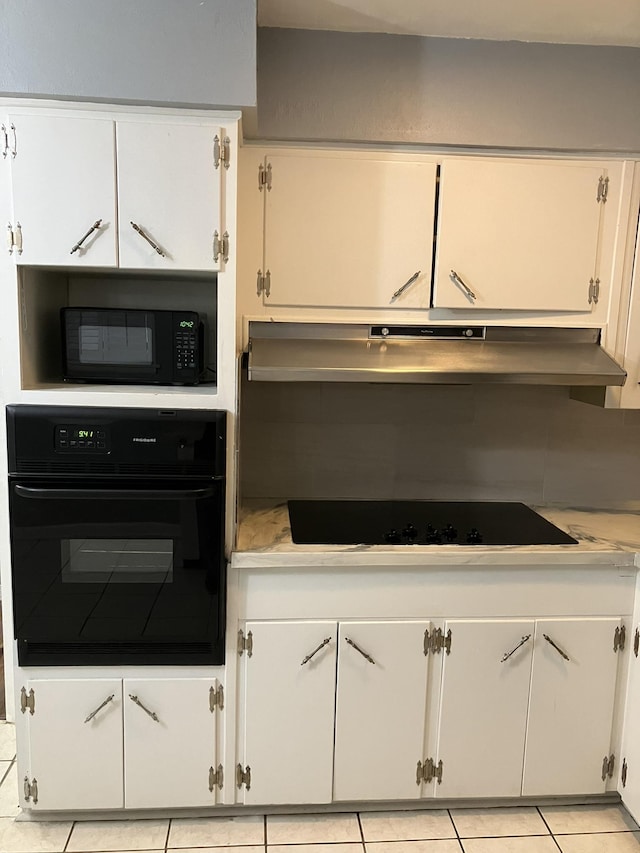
<point>357,522</point>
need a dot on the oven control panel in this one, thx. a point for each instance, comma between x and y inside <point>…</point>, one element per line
<point>81,438</point>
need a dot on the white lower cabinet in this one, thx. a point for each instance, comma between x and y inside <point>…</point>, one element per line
<point>170,743</point>
<point>380,710</point>
<point>291,710</point>
<point>525,709</point>
<point>92,745</point>
<point>573,681</point>
<point>483,707</point>
<point>629,775</point>
<point>74,745</point>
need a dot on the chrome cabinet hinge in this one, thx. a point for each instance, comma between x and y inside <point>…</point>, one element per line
<point>619,636</point>
<point>245,644</point>
<point>608,763</point>
<point>264,177</point>
<point>221,246</point>
<point>594,290</point>
<point>436,641</point>
<point>623,772</point>
<point>221,151</point>
<point>216,777</point>
<point>603,189</point>
<point>216,698</point>
<point>428,771</point>
<point>264,283</point>
<point>636,642</point>
<point>28,700</point>
<point>243,777</point>
<point>14,238</point>
<point>31,790</point>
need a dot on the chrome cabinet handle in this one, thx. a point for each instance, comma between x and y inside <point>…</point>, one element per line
<point>557,648</point>
<point>315,651</point>
<point>5,149</point>
<point>358,649</point>
<point>152,714</point>
<point>407,284</point>
<point>10,242</point>
<point>100,707</point>
<point>14,150</point>
<point>507,655</point>
<point>148,239</point>
<point>93,228</point>
<point>18,238</point>
<point>455,278</point>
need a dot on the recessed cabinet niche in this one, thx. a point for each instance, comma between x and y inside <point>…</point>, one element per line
<point>128,193</point>
<point>42,293</point>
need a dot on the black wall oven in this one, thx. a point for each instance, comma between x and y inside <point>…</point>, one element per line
<point>117,535</point>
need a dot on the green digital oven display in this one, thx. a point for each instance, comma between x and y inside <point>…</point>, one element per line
<point>186,324</point>
<point>84,434</point>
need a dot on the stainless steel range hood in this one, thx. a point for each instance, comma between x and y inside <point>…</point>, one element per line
<point>448,355</point>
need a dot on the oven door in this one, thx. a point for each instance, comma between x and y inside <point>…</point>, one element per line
<point>112,573</point>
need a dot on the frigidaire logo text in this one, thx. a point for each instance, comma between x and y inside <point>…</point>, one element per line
<point>145,440</point>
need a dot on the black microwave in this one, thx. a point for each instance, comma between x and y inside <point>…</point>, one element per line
<point>134,345</point>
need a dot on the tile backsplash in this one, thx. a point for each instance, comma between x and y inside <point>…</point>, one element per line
<point>535,444</point>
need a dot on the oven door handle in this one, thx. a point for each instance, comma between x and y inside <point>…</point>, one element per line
<point>113,494</point>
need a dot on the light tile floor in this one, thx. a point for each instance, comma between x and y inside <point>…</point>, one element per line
<point>517,829</point>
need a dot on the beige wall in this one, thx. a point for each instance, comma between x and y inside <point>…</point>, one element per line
<point>315,85</point>
<point>376,441</point>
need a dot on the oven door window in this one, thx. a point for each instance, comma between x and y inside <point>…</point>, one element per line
<point>118,567</point>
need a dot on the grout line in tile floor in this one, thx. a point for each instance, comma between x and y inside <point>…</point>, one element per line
<point>11,763</point>
<point>455,829</point>
<point>542,818</point>
<point>166,841</point>
<point>364,843</point>
<point>66,844</point>
<point>266,840</point>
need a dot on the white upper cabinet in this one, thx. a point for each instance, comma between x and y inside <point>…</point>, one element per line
<point>348,231</point>
<point>63,186</point>
<point>519,234</point>
<point>129,192</point>
<point>168,195</point>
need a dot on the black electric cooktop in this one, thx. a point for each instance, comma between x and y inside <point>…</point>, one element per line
<point>357,522</point>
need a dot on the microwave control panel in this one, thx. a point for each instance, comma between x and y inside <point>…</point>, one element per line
<point>81,438</point>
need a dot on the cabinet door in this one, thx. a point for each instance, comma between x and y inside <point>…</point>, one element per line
<point>483,710</point>
<point>75,744</point>
<point>347,232</point>
<point>629,778</point>
<point>169,187</point>
<point>380,710</point>
<point>521,235</point>
<point>571,706</point>
<point>289,712</point>
<point>169,743</point>
<point>63,183</point>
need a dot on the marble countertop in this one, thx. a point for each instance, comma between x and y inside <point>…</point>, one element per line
<point>605,537</point>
